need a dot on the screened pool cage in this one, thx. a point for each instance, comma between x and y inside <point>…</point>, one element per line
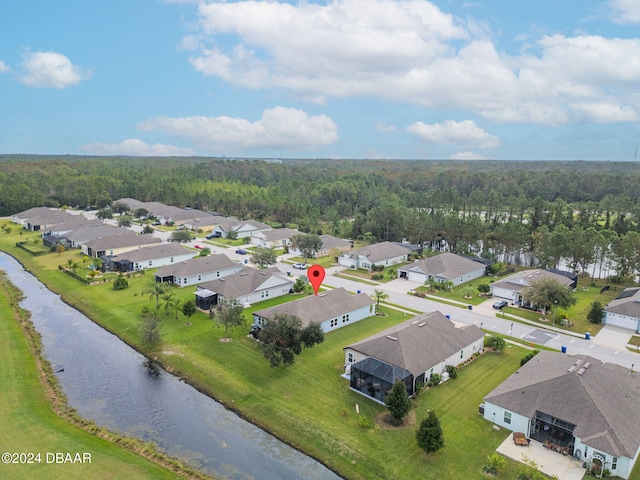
<point>375,379</point>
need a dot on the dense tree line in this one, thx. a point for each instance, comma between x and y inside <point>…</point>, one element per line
<point>574,213</point>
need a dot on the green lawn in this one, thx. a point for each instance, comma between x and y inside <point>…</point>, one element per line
<point>29,424</point>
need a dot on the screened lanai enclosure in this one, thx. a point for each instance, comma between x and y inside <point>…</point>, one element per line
<point>375,379</point>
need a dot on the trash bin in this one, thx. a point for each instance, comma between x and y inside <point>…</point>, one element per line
<point>288,274</point>
<point>587,336</point>
<point>564,349</point>
<point>470,307</point>
<point>448,317</point>
<point>359,291</point>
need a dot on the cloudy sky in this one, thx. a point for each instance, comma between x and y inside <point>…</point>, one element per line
<point>446,79</point>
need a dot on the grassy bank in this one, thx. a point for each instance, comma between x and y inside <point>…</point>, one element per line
<point>28,389</point>
<point>307,405</point>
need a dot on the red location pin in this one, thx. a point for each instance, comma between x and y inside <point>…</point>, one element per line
<point>315,275</point>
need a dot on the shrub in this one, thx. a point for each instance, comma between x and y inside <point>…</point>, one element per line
<point>452,371</point>
<point>121,283</point>
<point>364,422</point>
<point>528,357</point>
<point>429,435</point>
<point>435,379</point>
<point>484,288</point>
<point>377,276</point>
<point>496,342</point>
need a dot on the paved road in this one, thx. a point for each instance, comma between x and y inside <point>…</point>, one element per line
<point>487,320</point>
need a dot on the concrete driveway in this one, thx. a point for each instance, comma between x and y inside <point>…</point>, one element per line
<point>613,337</point>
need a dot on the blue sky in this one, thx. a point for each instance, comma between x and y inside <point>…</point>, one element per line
<point>501,79</point>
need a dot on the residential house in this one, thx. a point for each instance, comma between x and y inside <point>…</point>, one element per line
<point>55,234</point>
<point>117,244</point>
<point>39,218</point>
<point>276,238</point>
<point>242,228</point>
<point>330,246</point>
<point>154,256</point>
<point>248,286</point>
<point>411,352</point>
<point>382,254</point>
<point>332,309</point>
<point>442,268</point>
<point>198,270</point>
<point>586,408</point>
<point>624,311</point>
<point>77,238</point>
<point>510,288</point>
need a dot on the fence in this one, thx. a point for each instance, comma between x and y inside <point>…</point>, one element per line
<point>23,246</point>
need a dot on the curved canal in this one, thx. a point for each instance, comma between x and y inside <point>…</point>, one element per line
<point>109,382</point>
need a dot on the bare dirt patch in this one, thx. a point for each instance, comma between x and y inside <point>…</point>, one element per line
<point>385,421</point>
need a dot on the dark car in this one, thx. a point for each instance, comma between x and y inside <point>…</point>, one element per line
<point>241,251</point>
<point>500,304</point>
<point>213,235</point>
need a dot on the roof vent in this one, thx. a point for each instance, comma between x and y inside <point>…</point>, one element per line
<point>587,365</point>
<point>571,368</point>
<point>392,338</point>
<point>422,324</point>
<point>322,295</point>
<point>581,371</point>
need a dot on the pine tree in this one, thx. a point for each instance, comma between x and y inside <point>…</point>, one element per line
<point>398,402</point>
<point>429,435</point>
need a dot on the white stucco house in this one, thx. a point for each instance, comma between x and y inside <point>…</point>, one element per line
<point>248,286</point>
<point>443,267</point>
<point>410,352</point>
<point>198,270</point>
<point>510,288</point>
<point>585,407</point>
<point>276,238</point>
<point>383,254</point>
<point>154,256</point>
<point>332,309</point>
<point>624,311</point>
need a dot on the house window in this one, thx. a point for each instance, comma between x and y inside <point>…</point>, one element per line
<point>507,418</point>
<point>334,322</point>
<point>350,357</point>
<point>217,274</point>
<point>199,277</point>
<point>614,463</point>
<point>150,262</point>
<point>171,259</point>
<point>264,294</point>
<point>461,353</point>
<point>345,318</point>
<point>110,252</point>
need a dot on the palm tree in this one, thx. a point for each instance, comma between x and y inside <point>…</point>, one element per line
<point>177,304</point>
<point>168,300</point>
<point>156,289</point>
<point>378,296</point>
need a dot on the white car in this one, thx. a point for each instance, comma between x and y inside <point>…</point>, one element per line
<point>300,266</point>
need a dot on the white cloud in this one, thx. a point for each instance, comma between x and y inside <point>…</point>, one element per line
<point>50,69</point>
<point>384,127</point>
<point>604,112</point>
<point>625,11</point>
<point>278,128</point>
<point>463,134</point>
<point>466,156</point>
<point>4,68</point>
<point>411,51</point>
<point>136,147</point>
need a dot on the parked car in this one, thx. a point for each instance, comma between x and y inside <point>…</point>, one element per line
<point>213,235</point>
<point>198,246</point>
<point>300,266</point>
<point>241,251</point>
<point>500,304</point>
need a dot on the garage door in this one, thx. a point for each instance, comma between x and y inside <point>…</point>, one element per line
<point>622,321</point>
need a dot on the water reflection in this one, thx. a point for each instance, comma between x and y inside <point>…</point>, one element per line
<point>107,381</point>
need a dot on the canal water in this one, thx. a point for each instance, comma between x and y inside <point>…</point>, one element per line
<point>109,382</point>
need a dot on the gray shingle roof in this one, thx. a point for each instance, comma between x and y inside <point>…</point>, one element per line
<point>87,233</point>
<point>420,343</point>
<point>603,401</point>
<point>198,265</point>
<point>246,281</point>
<point>628,303</point>
<point>329,242</point>
<point>520,280</point>
<point>121,241</point>
<point>151,253</point>
<point>44,216</point>
<point>447,265</point>
<point>318,308</point>
<point>380,251</point>
<point>279,234</point>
